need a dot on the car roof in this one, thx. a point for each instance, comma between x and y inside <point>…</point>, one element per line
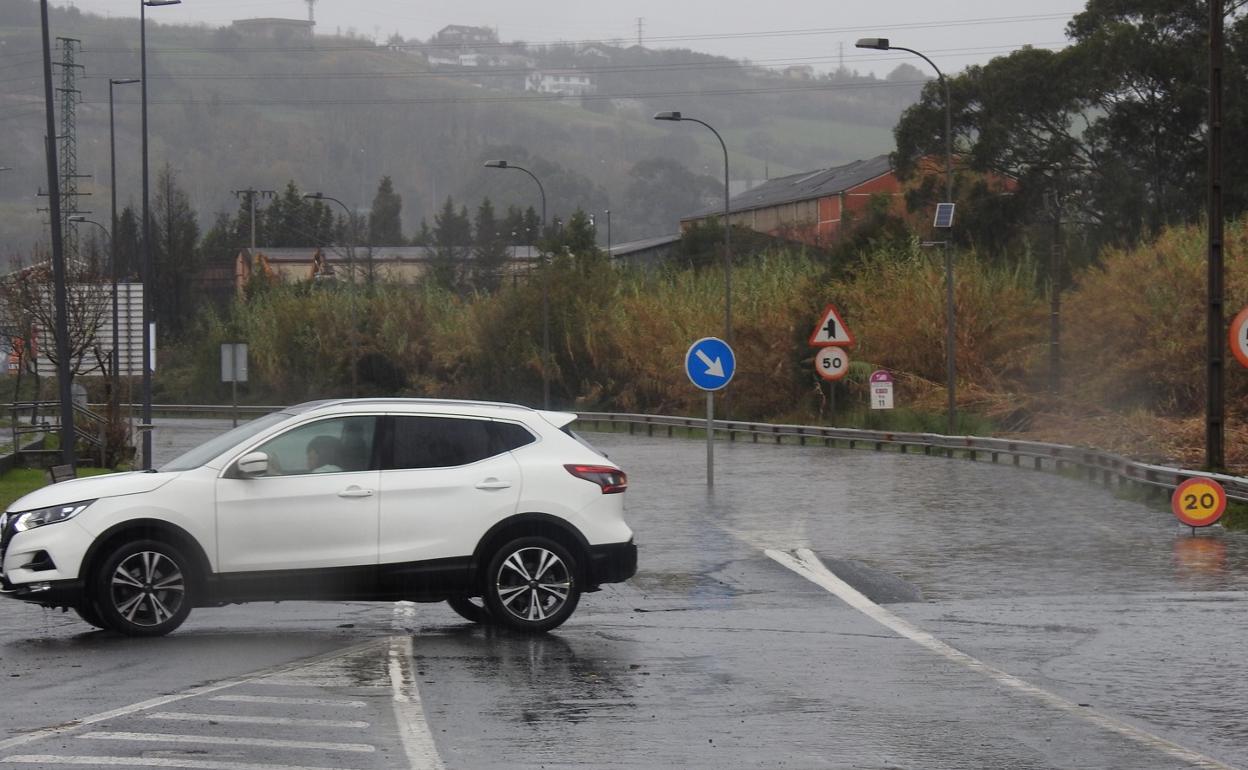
<point>405,404</point>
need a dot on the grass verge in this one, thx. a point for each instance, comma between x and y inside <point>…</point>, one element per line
<point>23,481</point>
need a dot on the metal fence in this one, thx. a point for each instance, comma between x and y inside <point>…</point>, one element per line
<point>1096,465</point>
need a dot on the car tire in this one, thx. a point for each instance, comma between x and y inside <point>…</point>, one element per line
<point>89,614</point>
<point>532,585</point>
<point>144,588</point>
<point>469,610</point>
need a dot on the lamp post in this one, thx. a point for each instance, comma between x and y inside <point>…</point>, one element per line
<point>148,271</point>
<point>882,44</point>
<point>676,116</point>
<point>545,284</point>
<point>320,196</point>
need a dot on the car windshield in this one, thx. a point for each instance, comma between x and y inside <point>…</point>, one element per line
<point>208,450</point>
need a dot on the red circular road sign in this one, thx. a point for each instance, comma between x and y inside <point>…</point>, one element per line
<point>1239,337</point>
<point>1198,502</point>
<point>831,363</point>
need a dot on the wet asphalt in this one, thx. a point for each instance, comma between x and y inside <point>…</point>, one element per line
<point>1126,627</point>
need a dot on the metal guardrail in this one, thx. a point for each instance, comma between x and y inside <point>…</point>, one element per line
<point>1103,466</point>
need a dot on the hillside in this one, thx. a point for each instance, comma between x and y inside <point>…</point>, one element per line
<point>228,112</point>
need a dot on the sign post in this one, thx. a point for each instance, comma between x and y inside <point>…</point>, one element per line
<point>831,336</point>
<point>710,364</point>
<point>234,369</point>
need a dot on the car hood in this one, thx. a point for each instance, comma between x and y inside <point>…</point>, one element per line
<point>92,488</point>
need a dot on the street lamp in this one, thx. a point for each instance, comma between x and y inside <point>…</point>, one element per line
<point>320,196</point>
<point>148,272</point>
<point>545,284</point>
<point>882,44</point>
<point>676,116</point>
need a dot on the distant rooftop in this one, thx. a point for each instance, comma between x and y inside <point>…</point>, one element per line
<point>805,186</point>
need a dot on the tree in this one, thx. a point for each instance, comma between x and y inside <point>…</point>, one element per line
<point>661,191</point>
<point>291,220</point>
<point>385,224</point>
<point>452,244</point>
<point>490,249</point>
<point>127,237</point>
<point>175,235</point>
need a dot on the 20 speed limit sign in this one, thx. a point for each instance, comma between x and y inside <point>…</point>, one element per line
<point>1198,502</point>
<point>831,363</point>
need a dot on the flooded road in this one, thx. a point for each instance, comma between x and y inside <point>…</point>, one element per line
<point>1054,626</point>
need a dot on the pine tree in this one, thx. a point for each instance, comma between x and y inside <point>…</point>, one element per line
<point>385,224</point>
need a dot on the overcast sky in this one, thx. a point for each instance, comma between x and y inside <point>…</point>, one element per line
<point>783,32</point>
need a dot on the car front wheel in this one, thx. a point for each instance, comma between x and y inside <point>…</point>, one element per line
<point>471,610</point>
<point>531,585</point>
<point>143,588</point>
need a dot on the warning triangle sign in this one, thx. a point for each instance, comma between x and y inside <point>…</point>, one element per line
<point>831,330</point>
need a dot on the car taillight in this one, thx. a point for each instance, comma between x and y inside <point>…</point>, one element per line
<point>612,480</point>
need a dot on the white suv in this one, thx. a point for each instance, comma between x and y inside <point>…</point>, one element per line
<point>497,509</point>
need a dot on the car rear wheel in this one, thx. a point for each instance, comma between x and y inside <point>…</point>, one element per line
<point>473,610</point>
<point>532,585</point>
<point>143,588</point>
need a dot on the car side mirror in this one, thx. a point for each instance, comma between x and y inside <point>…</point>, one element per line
<point>253,464</point>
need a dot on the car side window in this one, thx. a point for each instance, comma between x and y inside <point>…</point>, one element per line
<point>326,446</point>
<point>507,436</point>
<point>441,442</point>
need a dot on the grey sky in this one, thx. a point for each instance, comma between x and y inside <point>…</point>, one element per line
<point>952,34</point>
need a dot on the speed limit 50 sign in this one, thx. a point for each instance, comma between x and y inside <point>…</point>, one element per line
<point>831,363</point>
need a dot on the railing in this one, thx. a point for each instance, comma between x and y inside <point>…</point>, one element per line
<point>31,418</point>
<point>1097,465</point>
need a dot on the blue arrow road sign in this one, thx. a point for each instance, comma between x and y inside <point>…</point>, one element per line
<point>710,363</point>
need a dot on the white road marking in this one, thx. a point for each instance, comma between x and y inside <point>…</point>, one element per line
<point>164,700</point>
<point>279,699</point>
<point>193,764</point>
<point>808,565</point>
<point>181,716</point>
<point>414,731</point>
<point>359,748</point>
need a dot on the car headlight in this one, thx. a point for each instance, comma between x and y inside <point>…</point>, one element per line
<point>51,515</point>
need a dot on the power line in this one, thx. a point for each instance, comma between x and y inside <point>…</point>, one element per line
<point>534,99</point>
<point>605,69</point>
<point>806,32</point>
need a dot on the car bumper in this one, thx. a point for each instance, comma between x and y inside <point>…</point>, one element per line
<point>52,593</point>
<point>611,563</point>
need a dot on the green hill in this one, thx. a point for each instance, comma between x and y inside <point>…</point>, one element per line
<point>336,115</point>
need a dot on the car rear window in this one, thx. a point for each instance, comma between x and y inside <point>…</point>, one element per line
<point>578,438</point>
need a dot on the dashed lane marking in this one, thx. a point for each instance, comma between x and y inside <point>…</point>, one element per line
<point>182,716</point>
<point>358,748</point>
<point>809,566</point>
<point>283,700</point>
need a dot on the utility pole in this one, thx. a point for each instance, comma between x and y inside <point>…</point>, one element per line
<point>68,145</point>
<point>58,256</point>
<point>640,23</point>
<point>1055,299</point>
<point>1215,407</point>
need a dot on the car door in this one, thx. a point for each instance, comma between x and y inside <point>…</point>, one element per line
<point>316,507</point>
<point>447,480</point>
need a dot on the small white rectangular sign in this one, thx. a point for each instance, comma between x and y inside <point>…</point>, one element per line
<point>881,395</point>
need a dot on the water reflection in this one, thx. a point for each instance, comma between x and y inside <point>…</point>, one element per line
<point>1200,556</point>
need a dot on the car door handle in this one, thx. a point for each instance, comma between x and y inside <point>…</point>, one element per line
<point>355,492</point>
<point>494,484</point>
